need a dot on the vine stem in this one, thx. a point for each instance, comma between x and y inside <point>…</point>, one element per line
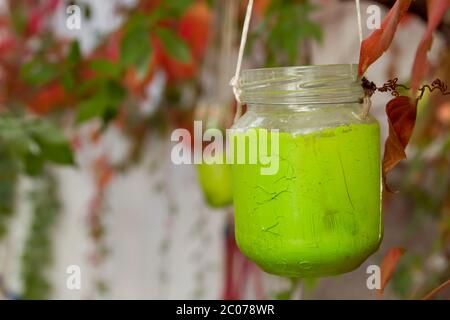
<point>391,86</point>
<point>436,290</point>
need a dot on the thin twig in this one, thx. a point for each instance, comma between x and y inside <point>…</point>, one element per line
<point>436,290</point>
<point>391,86</point>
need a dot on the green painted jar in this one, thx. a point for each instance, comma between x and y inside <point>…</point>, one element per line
<point>215,182</point>
<point>319,214</point>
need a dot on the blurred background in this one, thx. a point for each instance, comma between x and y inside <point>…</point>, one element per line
<point>90,92</point>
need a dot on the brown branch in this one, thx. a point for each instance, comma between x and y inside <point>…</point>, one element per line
<point>391,86</point>
<point>436,290</point>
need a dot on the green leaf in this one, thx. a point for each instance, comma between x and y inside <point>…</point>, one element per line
<point>106,68</point>
<point>114,91</point>
<point>289,24</point>
<point>14,137</point>
<point>135,50</point>
<point>74,55</point>
<point>312,30</point>
<point>89,85</point>
<point>283,295</point>
<point>104,104</point>
<point>91,108</point>
<point>46,132</point>
<point>174,45</point>
<point>33,164</point>
<point>18,18</point>
<point>58,153</point>
<point>137,21</point>
<point>37,250</point>
<point>32,142</point>
<point>178,7</point>
<point>68,80</point>
<point>173,9</point>
<point>53,144</point>
<point>8,183</point>
<point>38,72</point>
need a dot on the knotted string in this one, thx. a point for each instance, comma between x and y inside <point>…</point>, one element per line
<point>367,103</point>
<point>235,80</point>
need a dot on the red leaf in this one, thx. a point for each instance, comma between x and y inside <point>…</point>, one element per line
<point>401,112</point>
<point>7,45</point>
<point>194,27</point>
<point>104,172</point>
<point>39,15</point>
<point>260,7</point>
<point>50,97</point>
<point>388,266</point>
<point>378,42</point>
<point>436,10</point>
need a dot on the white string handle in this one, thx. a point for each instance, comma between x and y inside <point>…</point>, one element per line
<point>235,80</point>
<point>358,16</point>
<point>367,103</point>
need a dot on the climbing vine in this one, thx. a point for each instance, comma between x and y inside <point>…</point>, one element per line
<point>26,146</point>
<point>37,255</point>
<point>8,182</point>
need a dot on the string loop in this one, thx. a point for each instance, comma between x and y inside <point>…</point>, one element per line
<point>234,82</point>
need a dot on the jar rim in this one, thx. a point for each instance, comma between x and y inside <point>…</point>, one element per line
<point>311,84</point>
<point>305,67</point>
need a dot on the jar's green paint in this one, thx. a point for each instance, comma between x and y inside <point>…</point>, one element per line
<point>320,214</point>
<point>215,182</point>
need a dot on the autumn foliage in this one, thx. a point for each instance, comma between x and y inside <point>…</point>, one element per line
<point>192,28</point>
<point>401,111</point>
<point>379,41</point>
<point>436,11</point>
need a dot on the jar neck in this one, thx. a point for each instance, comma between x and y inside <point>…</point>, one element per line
<point>296,86</point>
<point>304,108</point>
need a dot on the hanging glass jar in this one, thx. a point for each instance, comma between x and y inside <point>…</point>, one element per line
<point>215,181</point>
<point>215,178</point>
<point>319,214</point>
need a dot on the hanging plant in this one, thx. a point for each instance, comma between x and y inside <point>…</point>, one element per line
<point>402,120</point>
<point>290,30</point>
<point>26,146</point>
<point>215,113</point>
<point>216,183</point>
<point>8,182</point>
<point>103,174</point>
<point>401,111</point>
<point>37,254</point>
